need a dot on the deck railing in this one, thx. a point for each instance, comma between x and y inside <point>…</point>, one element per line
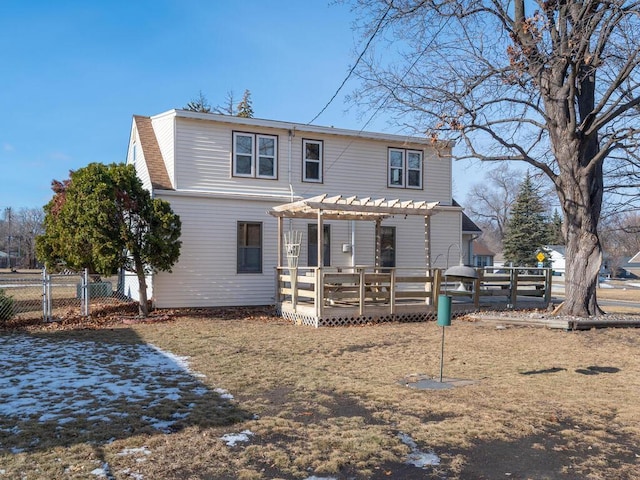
<point>365,286</point>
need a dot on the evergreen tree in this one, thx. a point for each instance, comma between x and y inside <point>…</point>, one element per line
<point>199,104</point>
<point>103,219</point>
<point>245,109</point>
<point>556,237</point>
<point>527,230</point>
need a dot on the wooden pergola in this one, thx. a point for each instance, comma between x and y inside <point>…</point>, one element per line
<point>339,207</point>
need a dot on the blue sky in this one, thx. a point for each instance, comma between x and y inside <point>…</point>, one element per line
<point>74,73</point>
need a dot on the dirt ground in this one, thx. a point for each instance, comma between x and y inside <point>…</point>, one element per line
<point>334,403</point>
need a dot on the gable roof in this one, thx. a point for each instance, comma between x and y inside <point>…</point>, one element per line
<point>479,248</point>
<point>151,152</point>
<point>468,225</point>
<point>635,258</point>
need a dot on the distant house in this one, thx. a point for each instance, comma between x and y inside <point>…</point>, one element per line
<point>557,257</point>
<point>628,269</point>
<point>482,255</point>
<point>222,174</point>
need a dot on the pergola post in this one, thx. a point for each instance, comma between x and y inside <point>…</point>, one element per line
<point>428,287</point>
<point>280,237</point>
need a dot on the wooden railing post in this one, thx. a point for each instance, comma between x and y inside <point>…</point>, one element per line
<point>319,296</point>
<point>514,287</point>
<point>437,284</point>
<point>392,292</point>
<point>547,286</point>
<point>476,287</point>
<point>293,273</point>
<point>361,291</point>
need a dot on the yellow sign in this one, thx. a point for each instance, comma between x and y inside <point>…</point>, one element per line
<point>540,257</point>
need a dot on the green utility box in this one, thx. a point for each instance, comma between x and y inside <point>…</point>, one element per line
<point>444,311</point>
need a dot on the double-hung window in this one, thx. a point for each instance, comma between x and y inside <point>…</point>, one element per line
<point>255,155</point>
<point>249,247</point>
<point>312,161</point>
<point>405,168</point>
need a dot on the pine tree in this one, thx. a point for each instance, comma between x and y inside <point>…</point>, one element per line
<point>245,109</point>
<point>556,237</point>
<point>527,229</point>
<point>199,104</point>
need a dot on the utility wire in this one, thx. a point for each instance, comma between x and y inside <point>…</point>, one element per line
<point>364,50</point>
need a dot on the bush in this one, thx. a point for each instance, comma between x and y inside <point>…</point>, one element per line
<point>6,306</point>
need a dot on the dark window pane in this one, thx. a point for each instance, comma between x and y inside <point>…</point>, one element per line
<point>414,178</point>
<point>244,144</point>
<point>312,151</point>
<point>312,171</point>
<point>312,246</point>
<point>243,165</point>
<point>266,167</point>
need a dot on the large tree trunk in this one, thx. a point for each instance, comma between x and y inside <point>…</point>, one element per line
<point>580,192</point>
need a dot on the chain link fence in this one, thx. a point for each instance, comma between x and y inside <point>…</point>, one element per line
<point>35,294</point>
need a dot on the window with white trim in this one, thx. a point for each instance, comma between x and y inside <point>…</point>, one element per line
<point>249,246</point>
<point>405,168</point>
<point>255,155</point>
<point>312,160</point>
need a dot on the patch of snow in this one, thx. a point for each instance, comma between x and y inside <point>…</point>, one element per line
<point>134,451</point>
<point>605,285</point>
<point>232,438</point>
<point>102,471</point>
<point>416,457</point>
<point>637,285</point>
<point>60,380</point>
<point>223,393</point>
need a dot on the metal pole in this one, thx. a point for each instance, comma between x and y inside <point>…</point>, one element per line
<point>442,356</point>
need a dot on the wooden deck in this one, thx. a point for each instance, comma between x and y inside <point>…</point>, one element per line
<point>356,295</point>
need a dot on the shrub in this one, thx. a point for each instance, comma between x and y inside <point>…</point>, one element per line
<point>6,306</point>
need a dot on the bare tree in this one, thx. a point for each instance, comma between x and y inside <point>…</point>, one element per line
<point>553,84</point>
<point>18,230</point>
<point>229,105</point>
<point>488,203</point>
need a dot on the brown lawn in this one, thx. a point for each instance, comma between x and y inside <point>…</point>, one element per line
<point>334,403</point>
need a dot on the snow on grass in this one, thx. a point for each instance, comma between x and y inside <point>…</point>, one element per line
<point>416,457</point>
<point>51,380</point>
<point>231,439</point>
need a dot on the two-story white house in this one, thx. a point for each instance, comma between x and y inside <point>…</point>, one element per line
<point>222,174</point>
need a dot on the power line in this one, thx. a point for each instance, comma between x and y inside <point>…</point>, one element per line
<point>364,50</point>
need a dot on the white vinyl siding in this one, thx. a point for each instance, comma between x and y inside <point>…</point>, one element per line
<point>164,128</point>
<point>255,155</point>
<point>205,152</point>
<point>312,161</point>
<point>135,157</point>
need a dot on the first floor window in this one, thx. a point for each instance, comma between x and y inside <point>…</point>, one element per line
<point>312,161</point>
<point>249,247</point>
<point>312,245</point>
<point>255,155</point>
<point>405,168</point>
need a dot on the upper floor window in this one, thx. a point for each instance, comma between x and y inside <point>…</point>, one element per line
<point>405,168</point>
<point>255,155</point>
<point>312,161</point>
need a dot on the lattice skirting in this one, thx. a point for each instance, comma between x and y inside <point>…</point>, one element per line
<point>345,320</point>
